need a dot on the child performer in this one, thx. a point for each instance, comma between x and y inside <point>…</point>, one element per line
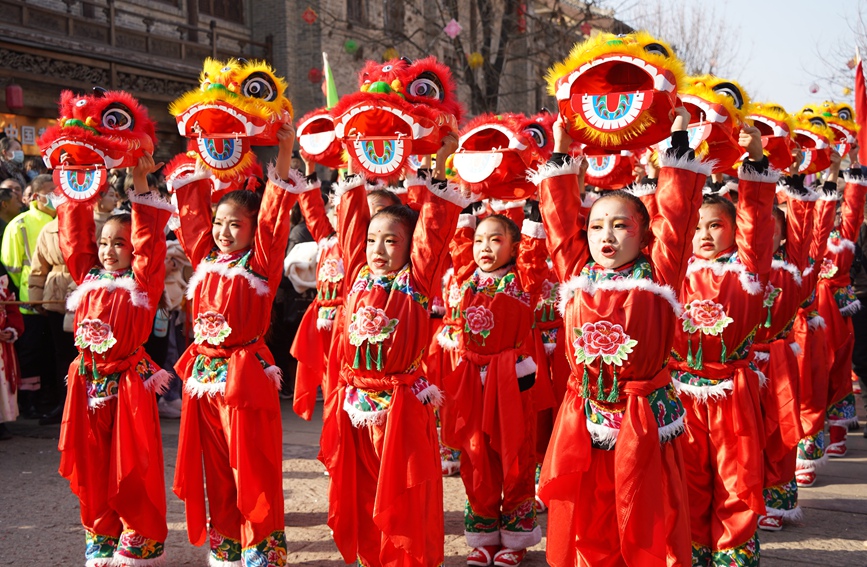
<point>775,352</point>
<point>494,416</point>
<point>380,448</point>
<point>837,303</point>
<point>613,473</point>
<point>110,443</point>
<point>712,369</point>
<point>231,412</point>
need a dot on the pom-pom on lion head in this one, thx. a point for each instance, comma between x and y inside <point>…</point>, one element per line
<point>317,140</point>
<point>496,151</point>
<point>717,108</point>
<point>238,104</point>
<point>402,108</point>
<point>95,132</point>
<point>618,91</point>
<point>776,126</point>
<point>814,137</point>
<point>841,119</point>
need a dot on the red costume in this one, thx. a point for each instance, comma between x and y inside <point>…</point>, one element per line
<point>613,477</point>
<point>719,385</point>
<point>110,443</point>
<point>380,447</point>
<point>494,416</point>
<point>231,413</point>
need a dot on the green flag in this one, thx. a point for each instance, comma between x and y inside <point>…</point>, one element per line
<point>329,87</point>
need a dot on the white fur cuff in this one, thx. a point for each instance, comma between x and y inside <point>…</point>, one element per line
<point>571,167</point>
<point>467,221</point>
<point>770,176</point>
<point>860,180</point>
<point>152,199</point>
<point>296,183</point>
<point>498,205</point>
<point>533,230</point>
<point>694,165</point>
<point>451,192</point>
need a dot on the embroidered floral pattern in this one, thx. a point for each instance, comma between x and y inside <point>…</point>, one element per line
<point>771,295</point>
<point>812,447</point>
<point>396,281</point>
<point>210,370</point>
<point>491,284</point>
<point>844,410</point>
<point>706,316</point>
<point>602,339</point>
<point>270,552</point>
<point>701,555</point>
<point>744,555</point>
<point>521,519</point>
<point>224,548</point>
<point>782,497</point>
<point>546,308</point>
<point>95,335</point>
<point>135,546</point>
<point>664,402</point>
<point>844,297</point>
<point>829,269</point>
<point>211,327</point>
<point>370,324</point>
<point>102,387</point>
<point>454,298</point>
<point>640,269</point>
<point>331,270</point>
<point>479,524</point>
<point>479,320</point>
<point>99,546</point>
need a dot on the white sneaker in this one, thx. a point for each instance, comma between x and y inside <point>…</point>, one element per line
<point>168,410</point>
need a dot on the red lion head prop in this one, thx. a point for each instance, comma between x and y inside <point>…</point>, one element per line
<point>403,108</point>
<point>610,171</point>
<point>776,127</point>
<point>815,138</point>
<point>317,140</point>
<point>496,151</point>
<point>617,92</point>
<point>95,133</point>
<point>184,165</point>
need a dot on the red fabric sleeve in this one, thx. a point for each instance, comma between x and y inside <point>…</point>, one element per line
<point>313,209</point>
<point>14,320</point>
<point>532,258</point>
<point>799,226</point>
<point>352,222</point>
<point>676,204</point>
<point>852,212</point>
<point>430,240</point>
<point>149,217</point>
<point>563,217</point>
<point>755,201</point>
<point>194,211</point>
<point>823,223</point>
<point>461,248</point>
<point>272,231</point>
<point>77,238</point>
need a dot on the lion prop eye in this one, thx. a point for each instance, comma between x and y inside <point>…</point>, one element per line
<point>117,117</point>
<point>537,134</point>
<point>259,85</point>
<point>427,85</point>
<point>818,121</point>
<point>656,48</point>
<point>845,114</point>
<point>732,92</point>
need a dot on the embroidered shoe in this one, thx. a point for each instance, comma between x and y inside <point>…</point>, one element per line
<point>770,523</point>
<point>540,506</point>
<point>482,556</point>
<point>509,557</point>
<point>837,450</point>
<point>805,478</point>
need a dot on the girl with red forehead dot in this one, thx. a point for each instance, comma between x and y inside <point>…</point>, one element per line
<point>837,303</point>
<point>493,413</point>
<point>230,420</point>
<point>712,366</point>
<point>110,444</point>
<point>613,474</point>
<point>380,446</point>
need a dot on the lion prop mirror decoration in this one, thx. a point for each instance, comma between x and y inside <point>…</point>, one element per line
<point>617,92</point>
<point>776,127</point>
<point>402,108</point>
<point>496,151</point>
<point>239,104</point>
<point>95,132</point>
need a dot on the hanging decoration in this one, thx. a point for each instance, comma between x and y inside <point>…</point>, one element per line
<point>522,18</point>
<point>389,54</point>
<point>586,28</point>
<point>350,46</point>
<point>453,29</point>
<point>314,75</point>
<point>310,16</point>
<point>814,88</point>
<point>475,60</point>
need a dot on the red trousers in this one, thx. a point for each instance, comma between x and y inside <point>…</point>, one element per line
<point>813,373</point>
<point>719,518</point>
<point>218,424</point>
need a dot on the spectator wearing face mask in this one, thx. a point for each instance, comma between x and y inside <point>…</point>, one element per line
<point>12,161</point>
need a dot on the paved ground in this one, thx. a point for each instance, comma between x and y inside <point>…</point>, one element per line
<point>39,516</point>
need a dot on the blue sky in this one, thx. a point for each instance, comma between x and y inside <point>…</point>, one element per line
<point>780,42</point>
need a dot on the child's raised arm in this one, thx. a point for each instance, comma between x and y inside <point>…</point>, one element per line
<point>852,211</point>
<point>800,203</point>
<point>353,218</point>
<point>756,191</point>
<point>193,193</point>
<point>77,236</point>
<point>313,207</point>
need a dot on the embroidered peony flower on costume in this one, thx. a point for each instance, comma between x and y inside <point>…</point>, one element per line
<point>331,270</point>
<point>211,327</point>
<point>370,324</point>
<point>479,320</point>
<point>95,335</point>
<point>454,295</point>
<point>602,339</point>
<point>829,269</point>
<point>771,295</point>
<point>705,316</point>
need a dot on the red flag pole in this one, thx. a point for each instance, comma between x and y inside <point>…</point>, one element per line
<point>861,107</point>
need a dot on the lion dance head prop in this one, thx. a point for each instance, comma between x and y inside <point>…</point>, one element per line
<point>95,132</point>
<point>402,108</point>
<point>317,140</point>
<point>776,127</point>
<point>610,171</point>
<point>841,119</point>
<point>496,151</point>
<point>185,165</point>
<point>617,92</point>
<point>239,104</point>
<point>815,139</point>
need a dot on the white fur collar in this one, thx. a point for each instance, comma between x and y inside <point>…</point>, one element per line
<point>791,268</point>
<point>126,283</point>
<point>568,289</point>
<point>223,269</point>
<point>749,282</point>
